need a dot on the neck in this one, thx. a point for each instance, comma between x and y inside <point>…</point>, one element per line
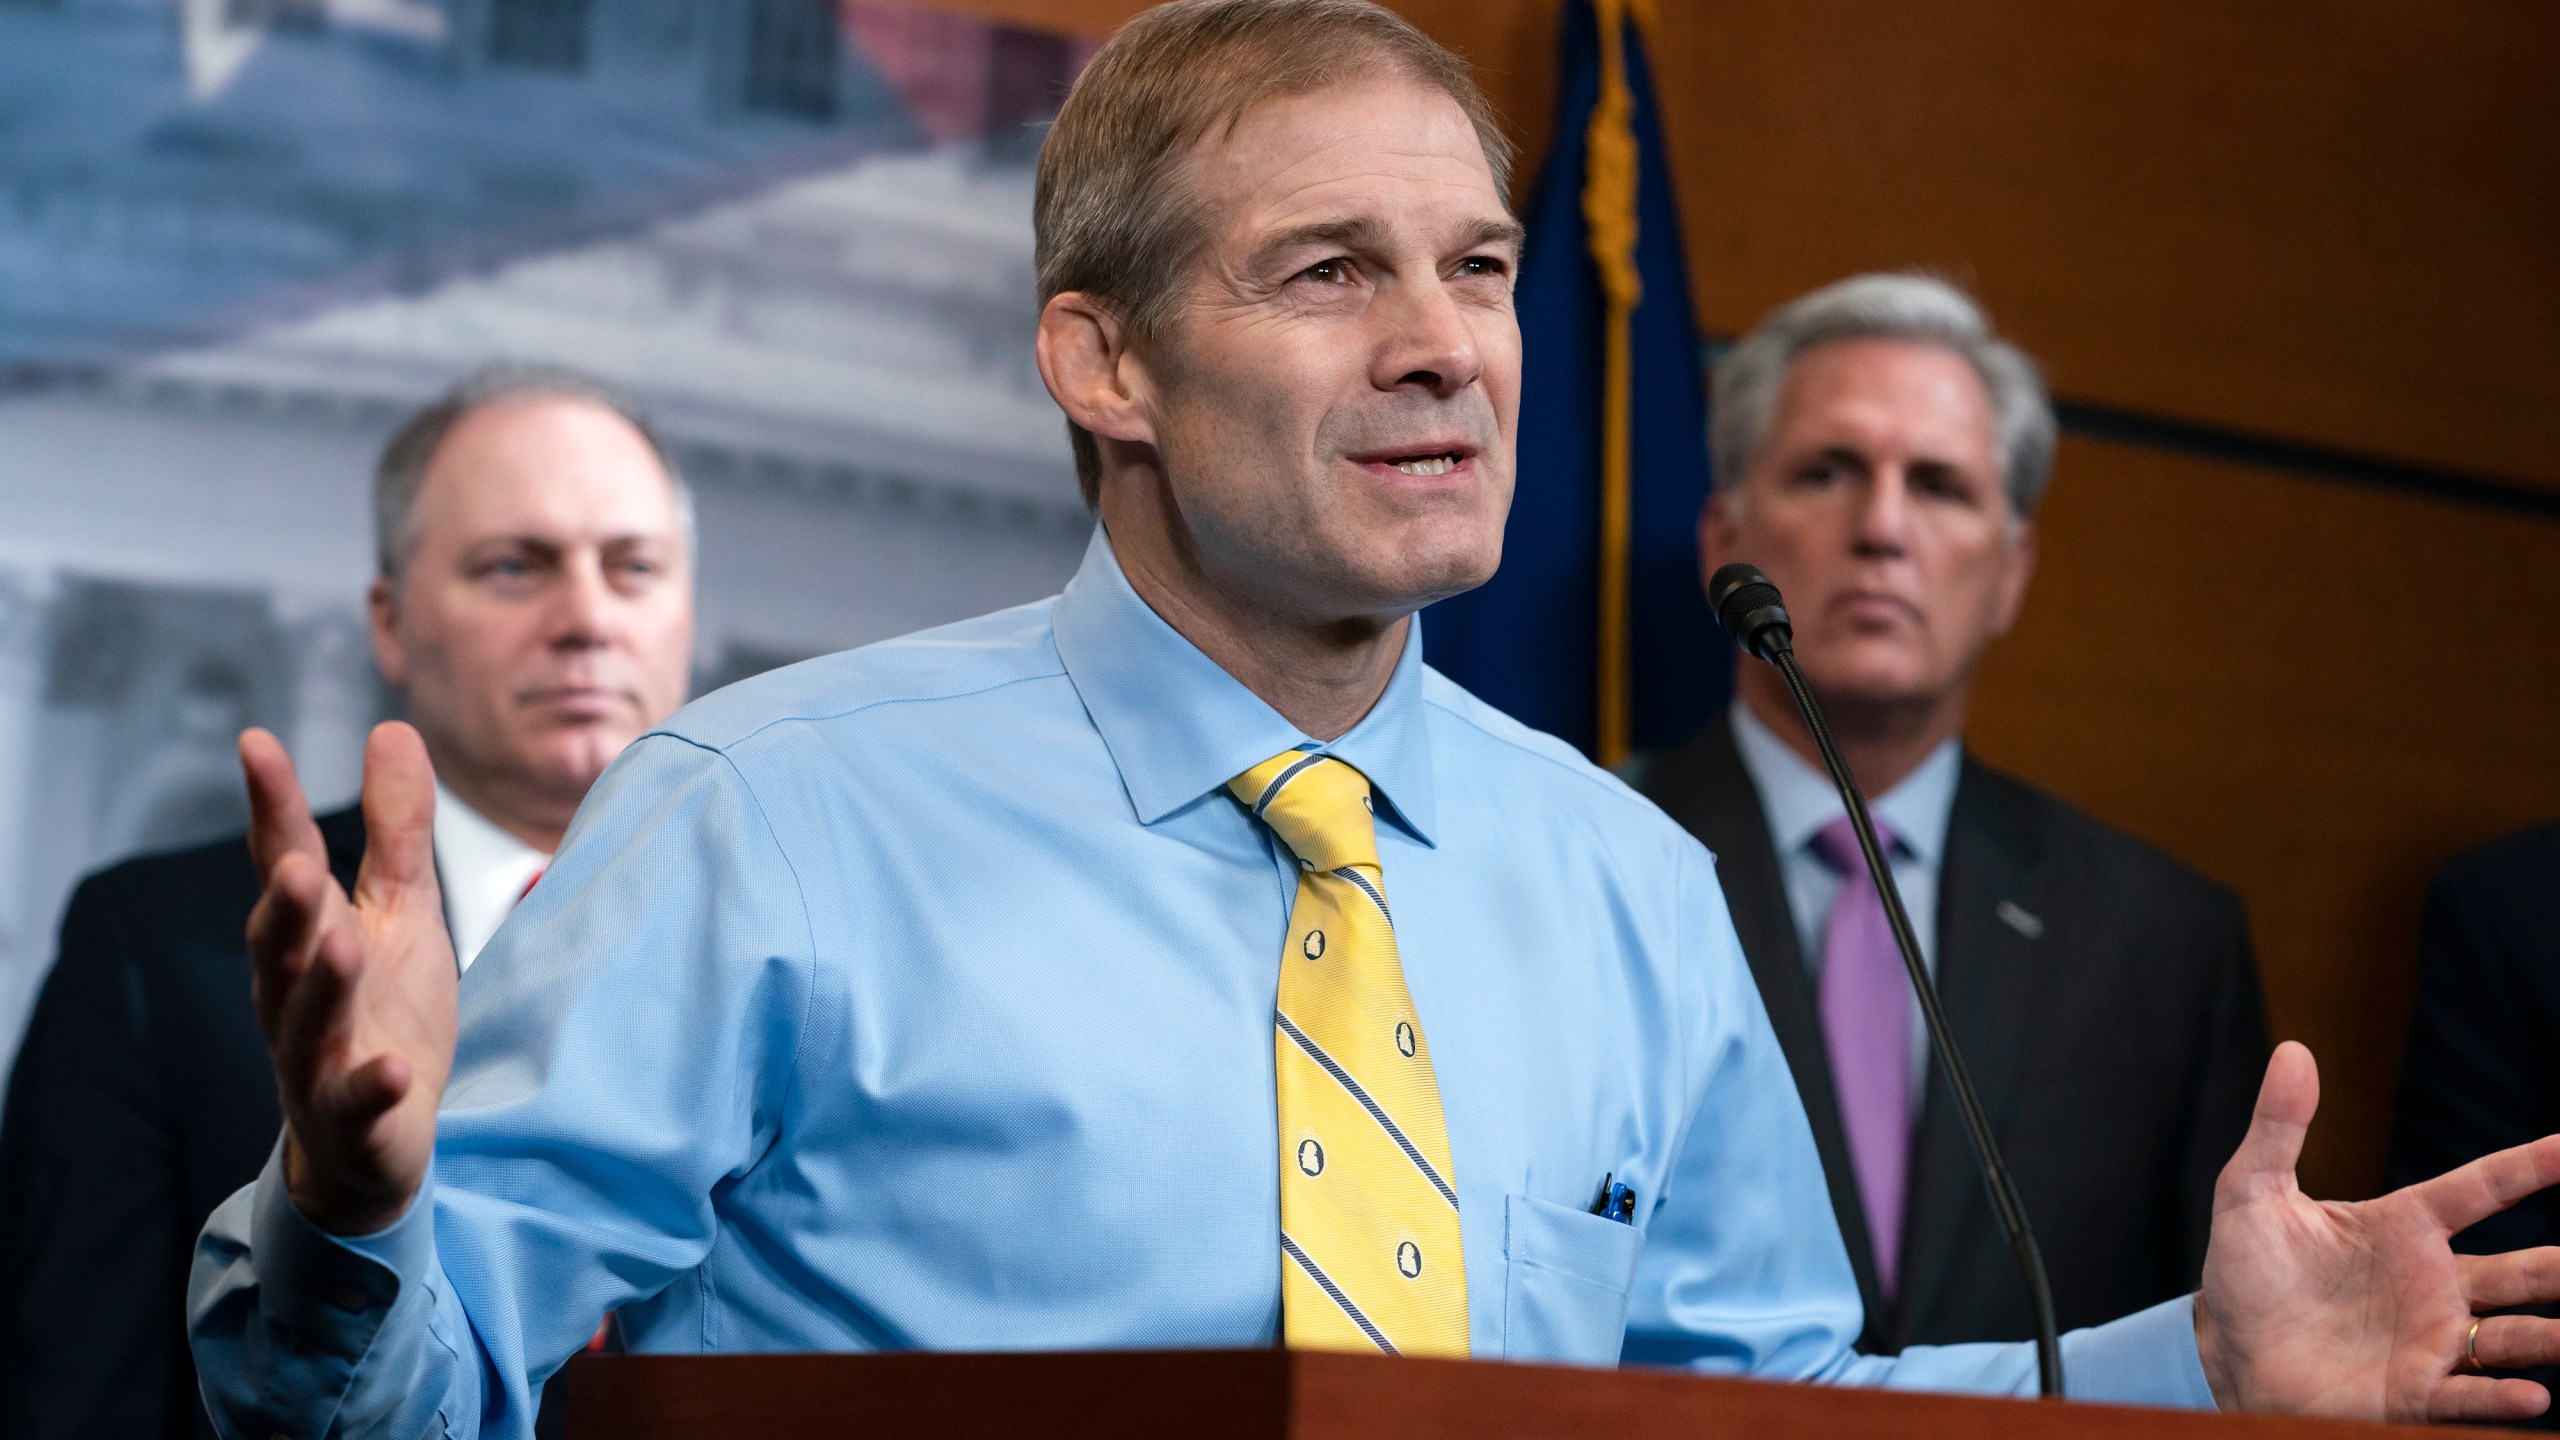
<point>1322,675</point>
<point>1882,741</point>
<point>524,810</point>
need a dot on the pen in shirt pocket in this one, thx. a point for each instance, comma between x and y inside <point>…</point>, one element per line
<point>1616,1202</point>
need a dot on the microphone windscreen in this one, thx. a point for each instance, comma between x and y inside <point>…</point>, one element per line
<point>1749,608</point>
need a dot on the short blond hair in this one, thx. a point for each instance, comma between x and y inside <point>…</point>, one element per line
<point>1109,218</point>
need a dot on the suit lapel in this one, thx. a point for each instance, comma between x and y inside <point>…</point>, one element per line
<point>1704,786</point>
<point>1993,977</point>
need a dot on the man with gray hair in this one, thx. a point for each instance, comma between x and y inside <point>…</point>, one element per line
<point>534,602</point>
<point>1879,453</point>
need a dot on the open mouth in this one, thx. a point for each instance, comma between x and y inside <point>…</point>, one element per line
<point>1438,462</point>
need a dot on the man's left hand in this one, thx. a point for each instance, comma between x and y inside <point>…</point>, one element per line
<point>2363,1310</point>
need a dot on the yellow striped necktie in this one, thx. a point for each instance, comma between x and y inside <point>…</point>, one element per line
<point>1370,1254</point>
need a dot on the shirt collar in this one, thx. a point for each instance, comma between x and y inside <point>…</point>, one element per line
<point>483,871</point>
<point>1799,799</point>
<point>1180,727</point>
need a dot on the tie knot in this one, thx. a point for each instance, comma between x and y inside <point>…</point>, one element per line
<point>1838,844</point>
<point>1318,805</point>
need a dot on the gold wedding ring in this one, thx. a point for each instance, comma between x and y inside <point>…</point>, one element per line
<point>2471,1348</point>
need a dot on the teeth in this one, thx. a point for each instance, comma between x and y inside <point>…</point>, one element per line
<point>1440,464</point>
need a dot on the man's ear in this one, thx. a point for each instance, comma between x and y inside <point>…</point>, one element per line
<point>382,610</point>
<point>2013,585</point>
<point>1086,361</point>
<point>1715,533</point>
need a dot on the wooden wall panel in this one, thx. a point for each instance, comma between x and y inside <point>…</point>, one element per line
<point>2339,223</point>
<point>2313,693</point>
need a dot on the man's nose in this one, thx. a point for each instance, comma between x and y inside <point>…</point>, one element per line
<point>584,606</point>
<point>1884,512</point>
<point>1429,342</point>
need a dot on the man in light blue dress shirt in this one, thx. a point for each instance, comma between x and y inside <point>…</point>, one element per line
<point>922,996</point>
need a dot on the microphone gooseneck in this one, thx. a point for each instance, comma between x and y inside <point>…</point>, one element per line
<point>1753,614</point>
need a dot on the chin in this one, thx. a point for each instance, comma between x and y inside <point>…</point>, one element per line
<point>572,758</point>
<point>1436,564</point>
<point>1864,675</point>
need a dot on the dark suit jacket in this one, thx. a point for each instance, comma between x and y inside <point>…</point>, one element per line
<point>142,1099</point>
<point>2482,1071</point>
<point>2105,999</point>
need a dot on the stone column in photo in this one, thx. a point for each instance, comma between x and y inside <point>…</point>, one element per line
<point>335,701</point>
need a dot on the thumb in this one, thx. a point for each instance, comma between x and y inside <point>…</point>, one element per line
<point>2264,1163</point>
<point>399,817</point>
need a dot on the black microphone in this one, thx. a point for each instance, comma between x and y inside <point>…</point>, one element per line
<point>1750,610</point>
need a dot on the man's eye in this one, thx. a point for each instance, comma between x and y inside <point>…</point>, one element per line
<point>1939,484</point>
<point>509,568</point>
<point>1327,272</point>
<point>1484,265</point>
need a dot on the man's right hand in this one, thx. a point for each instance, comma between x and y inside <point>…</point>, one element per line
<point>355,992</point>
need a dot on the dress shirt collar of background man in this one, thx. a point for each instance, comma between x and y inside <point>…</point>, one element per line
<point>1879,452</point>
<point>535,605</point>
<point>1314,444</point>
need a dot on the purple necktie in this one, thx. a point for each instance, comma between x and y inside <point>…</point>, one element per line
<point>1866,1018</point>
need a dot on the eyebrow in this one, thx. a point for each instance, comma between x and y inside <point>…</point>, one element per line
<point>1359,232</point>
<point>1505,232</point>
<point>1355,233</point>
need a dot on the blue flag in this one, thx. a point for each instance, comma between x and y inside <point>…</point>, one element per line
<point>1529,641</point>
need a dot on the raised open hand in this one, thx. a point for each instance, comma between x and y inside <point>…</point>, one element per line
<point>2363,1310</point>
<point>355,992</point>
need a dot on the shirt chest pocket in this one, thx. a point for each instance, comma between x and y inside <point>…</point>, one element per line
<point>1565,1275</point>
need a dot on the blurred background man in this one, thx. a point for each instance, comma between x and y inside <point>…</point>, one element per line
<point>2481,1064</point>
<point>1879,453</point>
<point>535,605</point>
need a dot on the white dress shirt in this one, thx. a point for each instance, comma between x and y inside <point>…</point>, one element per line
<point>484,872</point>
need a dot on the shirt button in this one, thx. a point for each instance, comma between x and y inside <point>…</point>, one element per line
<point>348,1298</point>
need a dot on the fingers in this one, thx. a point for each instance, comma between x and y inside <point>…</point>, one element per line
<point>2264,1163</point>
<point>2518,1342</point>
<point>2463,1197</point>
<point>285,929</point>
<point>2478,1397</point>
<point>280,820</point>
<point>2519,1277</point>
<point>399,817</point>
<point>364,1093</point>
<point>315,1020</point>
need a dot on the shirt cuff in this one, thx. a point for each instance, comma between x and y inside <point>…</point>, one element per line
<point>334,1292</point>
<point>2147,1358</point>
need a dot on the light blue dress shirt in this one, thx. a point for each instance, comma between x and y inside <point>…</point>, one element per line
<point>1798,800</point>
<point>921,996</point>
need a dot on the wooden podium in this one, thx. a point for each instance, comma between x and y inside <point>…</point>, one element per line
<point>1271,1394</point>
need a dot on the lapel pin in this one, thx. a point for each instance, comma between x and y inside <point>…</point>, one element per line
<point>2019,919</point>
